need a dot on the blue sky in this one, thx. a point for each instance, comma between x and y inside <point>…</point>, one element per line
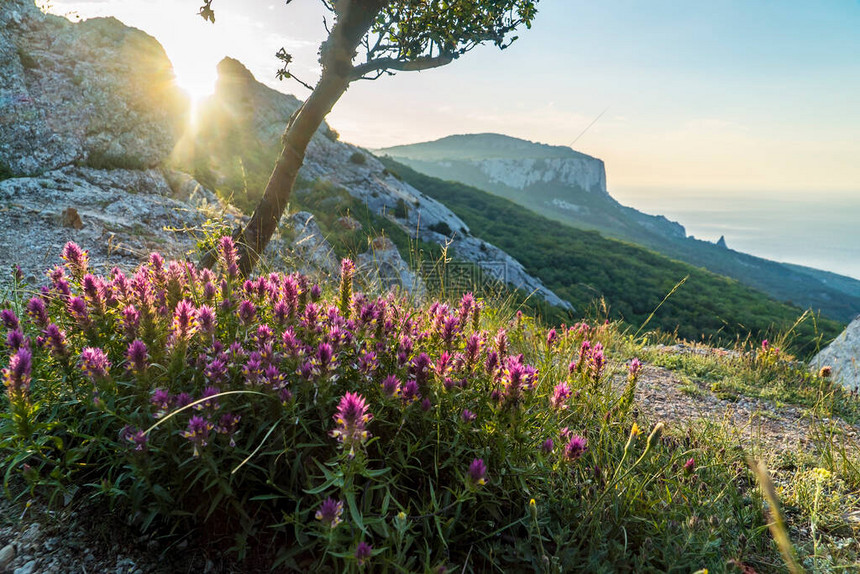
<point>740,96</point>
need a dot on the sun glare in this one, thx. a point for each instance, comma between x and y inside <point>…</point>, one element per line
<point>198,83</point>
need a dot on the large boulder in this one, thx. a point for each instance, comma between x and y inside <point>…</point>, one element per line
<point>843,356</point>
<point>383,265</point>
<point>95,93</point>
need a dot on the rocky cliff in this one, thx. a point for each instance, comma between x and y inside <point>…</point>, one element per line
<point>509,162</point>
<point>88,112</point>
<point>555,181</point>
<point>96,93</point>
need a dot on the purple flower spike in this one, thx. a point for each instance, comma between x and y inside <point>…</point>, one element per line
<point>184,322</point>
<point>575,447</point>
<point>351,418</point>
<point>137,355</point>
<point>409,392</point>
<point>206,319</point>
<point>94,363</point>
<point>633,369</point>
<point>547,446</point>
<point>10,320</point>
<point>76,259</point>
<point>182,400</point>
<point>246,312</point>
<point>391,386</point>
<point>15,340</point>
<point>161,401</point>
<point>560,394</point>
<point>363,552</point>
<point>37,311</point>
<point>56,341</point>
<point>17,375</point>
<point>210,404</point>
<point>139,440</point>
<point>468,416</point>
<point>228,424</point>
<point>478,472</point>
<point>198,433</point>
<point>330,512</point>
<point>229,257</point>
<point>690,466</point>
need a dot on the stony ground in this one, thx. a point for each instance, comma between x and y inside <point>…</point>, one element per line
<point>81,538</point>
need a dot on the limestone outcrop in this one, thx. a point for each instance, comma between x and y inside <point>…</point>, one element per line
<point>843,356</point>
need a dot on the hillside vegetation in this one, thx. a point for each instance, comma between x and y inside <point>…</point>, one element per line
<point>582,266</point>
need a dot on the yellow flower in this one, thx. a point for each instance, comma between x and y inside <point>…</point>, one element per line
<point>635,431</point>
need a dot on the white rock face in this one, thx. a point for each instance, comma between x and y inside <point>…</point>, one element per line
<point>843,356</point>
<point>567,206</point>
<point>586,173</point>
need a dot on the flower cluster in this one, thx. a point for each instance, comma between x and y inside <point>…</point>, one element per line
<point>201,357</point>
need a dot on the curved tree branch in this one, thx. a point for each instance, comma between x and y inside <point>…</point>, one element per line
<point>385,64</point>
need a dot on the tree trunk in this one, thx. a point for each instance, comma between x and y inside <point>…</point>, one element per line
<point>259,230</point>
<point>354,20</point>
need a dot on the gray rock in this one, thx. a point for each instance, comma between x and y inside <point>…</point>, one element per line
<point>307,251</point>
<point>126,214</point>
<point>843,356</point>
<point>383,264</point>
<point>94,93</point>
<point>7,555</point>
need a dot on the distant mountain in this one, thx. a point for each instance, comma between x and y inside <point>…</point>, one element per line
<point>567,186</point>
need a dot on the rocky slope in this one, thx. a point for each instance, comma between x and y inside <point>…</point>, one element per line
<point>570,187</point>
<point>96,93</point>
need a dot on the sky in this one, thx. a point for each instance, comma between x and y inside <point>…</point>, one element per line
<point>740,96</point>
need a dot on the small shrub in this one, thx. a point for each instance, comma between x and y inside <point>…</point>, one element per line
<point>99,159</point>
<point>441,227</point>
<point>27,60</point>
<point>358,158</point>
<point>330,133</point>
<point>401,210</point>
<point>5,172</point>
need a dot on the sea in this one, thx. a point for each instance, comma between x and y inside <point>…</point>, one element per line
<point>815,229</point>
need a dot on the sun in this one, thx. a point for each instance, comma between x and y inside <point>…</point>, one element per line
<point>194,75</point>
